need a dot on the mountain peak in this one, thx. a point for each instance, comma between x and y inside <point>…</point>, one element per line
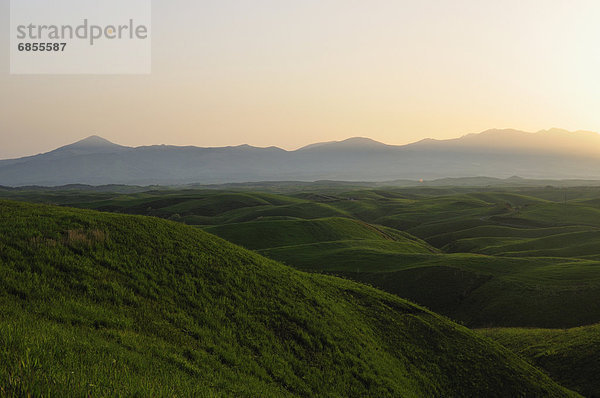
<point>496,132</point>
<point>349,143</point>
<point>361,141</point>
<point>90,145</point>
<point>93,141</point>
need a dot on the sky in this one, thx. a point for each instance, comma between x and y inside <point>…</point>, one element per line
<point>295,72</point>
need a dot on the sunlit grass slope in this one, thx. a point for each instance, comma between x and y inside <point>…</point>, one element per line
<point>98,304</point>
<point>571,356</point>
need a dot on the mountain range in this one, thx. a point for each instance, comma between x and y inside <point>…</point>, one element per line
<point>554,154</point>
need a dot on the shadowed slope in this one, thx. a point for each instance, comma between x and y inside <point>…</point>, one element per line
<point>571,356</point>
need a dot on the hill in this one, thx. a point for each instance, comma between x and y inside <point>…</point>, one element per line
<point>290,234</point>
<point>570,356</point>
<point>132,305</point>
<point>472,254</point>
<point>548,270</point>
<point>554,153</point>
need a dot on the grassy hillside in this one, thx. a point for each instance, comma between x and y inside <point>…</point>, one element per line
<point>480,291</point>
<point>571,356</point>
<point>429,252</point>
<point>137,306</point>
<point>573,244</point>
<point>198,207</point>
<point>500,232</point>
<point>278,233</point>
<point>477,290</point>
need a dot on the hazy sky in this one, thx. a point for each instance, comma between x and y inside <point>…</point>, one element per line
<point>290,73</point>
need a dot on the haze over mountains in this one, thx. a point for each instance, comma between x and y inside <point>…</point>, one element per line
<point>549,154</point>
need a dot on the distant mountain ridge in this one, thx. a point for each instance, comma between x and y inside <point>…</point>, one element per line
<point>547,154</point>
<point>552,140</point>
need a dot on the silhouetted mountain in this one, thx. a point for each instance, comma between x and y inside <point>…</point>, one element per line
<point>548,154</point>
<point>87,146</point>
<point>553,141</point>
<point>360,143</point>
<point>92,143</point>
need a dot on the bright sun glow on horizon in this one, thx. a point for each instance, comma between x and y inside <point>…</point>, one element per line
<point>291,73</point>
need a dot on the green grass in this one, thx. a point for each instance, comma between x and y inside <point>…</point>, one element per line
<point>478,290</point>
<point>498,231</point>
<point>555,214</point>
<point>541,255</point>
<point>573,244</point>
<point>571,356</point>
<point>278,233</point>
<point>99,304</point>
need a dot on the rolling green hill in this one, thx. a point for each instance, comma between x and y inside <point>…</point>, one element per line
<point>290,233</point>
<point>99,304</point>
<point>500,232</point>
<point>478,290</point>
<point>199,207</point>
<point>571,356</point>
<point>572,244</point>
<point>473,254</point>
